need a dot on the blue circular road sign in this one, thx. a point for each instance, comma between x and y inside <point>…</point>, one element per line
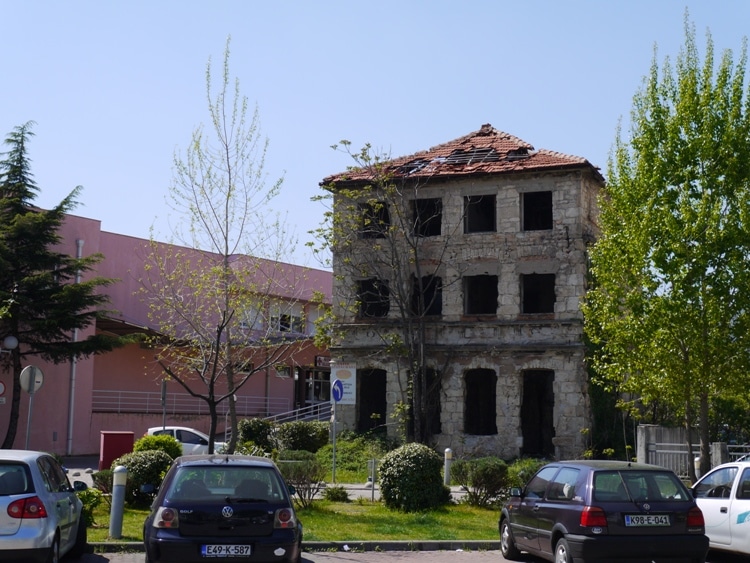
<point>337,390</point>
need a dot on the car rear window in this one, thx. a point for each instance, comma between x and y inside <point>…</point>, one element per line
<point>14,479</point>
<point>260,484</point>
<point>638,486</point>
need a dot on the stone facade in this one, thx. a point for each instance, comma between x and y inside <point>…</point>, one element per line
<point>512,370</point>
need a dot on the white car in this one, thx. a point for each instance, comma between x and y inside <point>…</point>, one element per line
<point>723,494</point>
<point>40,512</point>
<point>194,442</point>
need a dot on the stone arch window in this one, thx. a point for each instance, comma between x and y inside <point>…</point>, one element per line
<point>480,405</point>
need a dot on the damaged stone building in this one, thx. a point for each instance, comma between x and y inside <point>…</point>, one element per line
<point>472,258</point>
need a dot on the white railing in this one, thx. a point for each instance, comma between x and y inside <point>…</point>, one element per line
<point>149,402</point>
<point>318,411</point>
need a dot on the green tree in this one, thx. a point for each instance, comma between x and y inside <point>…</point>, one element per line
<point>669,314</point>
<point>214,292</point>
<point>45,300</point>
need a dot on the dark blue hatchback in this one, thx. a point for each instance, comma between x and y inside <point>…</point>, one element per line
<point>223,506</point>
<point>587,510</point>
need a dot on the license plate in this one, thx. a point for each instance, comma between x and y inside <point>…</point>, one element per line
<point>226,550</point>
<point>646,520</point>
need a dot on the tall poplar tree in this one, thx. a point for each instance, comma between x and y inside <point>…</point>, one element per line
<point>670,312</point>
<point>43,298</point>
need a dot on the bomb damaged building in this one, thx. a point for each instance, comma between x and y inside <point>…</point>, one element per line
<point>458,276</point>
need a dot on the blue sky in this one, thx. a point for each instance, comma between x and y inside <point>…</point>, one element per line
<point>116,87</point>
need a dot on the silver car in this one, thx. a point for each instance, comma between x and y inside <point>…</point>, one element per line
<point>40,513</point>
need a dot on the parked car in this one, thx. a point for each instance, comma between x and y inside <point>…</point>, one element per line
<point>40,513</point>
<point>231,506</point>
<point>592,510</point>
<point>194,442</point>
<point>723,494</point>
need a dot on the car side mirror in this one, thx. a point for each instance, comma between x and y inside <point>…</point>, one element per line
<point>292,490</point>
<point>147,489</point>
<point>515,492</point>
<point>79,486</point>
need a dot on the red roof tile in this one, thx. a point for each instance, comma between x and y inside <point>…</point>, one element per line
<point>487,151</point>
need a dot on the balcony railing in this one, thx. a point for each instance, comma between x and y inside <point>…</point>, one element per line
<point>149,402</point>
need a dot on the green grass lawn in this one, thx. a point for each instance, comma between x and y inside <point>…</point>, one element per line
<point>360,520</point>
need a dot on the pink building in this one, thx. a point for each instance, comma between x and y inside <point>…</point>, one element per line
<point>121,391</point>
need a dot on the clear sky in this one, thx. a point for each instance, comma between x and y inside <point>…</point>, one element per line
<point>116,87</point>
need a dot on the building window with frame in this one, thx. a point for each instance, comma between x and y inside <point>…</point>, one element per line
<point>373,296</point>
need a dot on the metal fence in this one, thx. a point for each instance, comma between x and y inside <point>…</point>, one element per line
<point>149,402</point>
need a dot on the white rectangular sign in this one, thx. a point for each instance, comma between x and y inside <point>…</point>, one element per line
<point>347,375</point>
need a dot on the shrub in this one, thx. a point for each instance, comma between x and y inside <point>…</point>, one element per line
<point>336,493</point>
<point>251,448</point>
<point>163,443</point>
<point>257,430</point>
<point>411,480</point>
<point>144,468</point>
<point>90,498</point>
<point>304,472</point>
<point>521,470</point>
<point>302,435</point>
<point>484,479</point>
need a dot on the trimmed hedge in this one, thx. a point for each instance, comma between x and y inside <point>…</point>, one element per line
<point>411,479</point>
<point>144,468</point>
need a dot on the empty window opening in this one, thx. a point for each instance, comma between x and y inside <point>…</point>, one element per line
<point>480,418</point>
<point>537,211</point>
<point>375,219</point>
<point>537,407</point>
<point>371,400</point>
<point>538,293</point>
<point>480,295</point>
<point>479,214</point>
<point>428,217</point>
<point>427,296</point>
<point>373,296</point>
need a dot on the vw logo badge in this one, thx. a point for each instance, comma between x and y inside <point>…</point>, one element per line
<point>227,512</point>
<point>646,506</point>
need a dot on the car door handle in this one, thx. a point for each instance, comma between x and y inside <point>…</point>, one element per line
<point>723,510</point>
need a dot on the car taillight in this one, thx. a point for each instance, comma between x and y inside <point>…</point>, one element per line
<point>695,518</point>
<point>30,507</point>
<point>284,518</point>
<point>593,516</point>
<point>166,518</point>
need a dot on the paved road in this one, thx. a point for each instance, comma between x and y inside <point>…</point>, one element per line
<point>342,557</point>
<point>373,557</point>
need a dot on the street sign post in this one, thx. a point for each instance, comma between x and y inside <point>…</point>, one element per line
<point>31,379</point>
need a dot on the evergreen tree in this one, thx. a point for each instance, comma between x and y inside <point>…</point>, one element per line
<point>43,300</point>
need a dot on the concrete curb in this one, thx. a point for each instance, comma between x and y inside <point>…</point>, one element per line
<point>353,546</point>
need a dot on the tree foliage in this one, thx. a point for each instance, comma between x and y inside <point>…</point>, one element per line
<point>214,291</point>
<point>46,295</point>
<point>669,314</point>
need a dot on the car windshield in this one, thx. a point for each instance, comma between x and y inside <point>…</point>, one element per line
<point>638,486</point>
<point>211,483</point>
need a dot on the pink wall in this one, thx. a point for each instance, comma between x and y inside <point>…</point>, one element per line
<point>132,368</point>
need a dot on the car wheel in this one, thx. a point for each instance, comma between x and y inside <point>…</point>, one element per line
<point>562,552</point>
<point>53,555</point>
<point>507,545</point>
<point>79,548</point>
